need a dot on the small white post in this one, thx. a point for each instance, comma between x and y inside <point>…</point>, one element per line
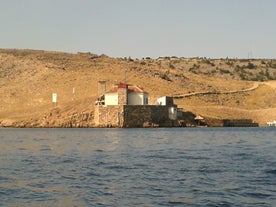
<point>54,98</point>
<point>74,93</point>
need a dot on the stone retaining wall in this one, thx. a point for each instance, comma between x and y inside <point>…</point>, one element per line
<point>128,116</point>
<point>108,116</point>
<point>147,116</point>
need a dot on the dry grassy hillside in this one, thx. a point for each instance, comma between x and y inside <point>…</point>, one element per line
<point>28,78</point>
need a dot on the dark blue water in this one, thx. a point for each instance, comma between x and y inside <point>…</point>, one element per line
<point>138,167</point>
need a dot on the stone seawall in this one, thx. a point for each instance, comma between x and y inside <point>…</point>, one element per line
<point>128,116</point>
<point>108,116</point>
<point>147,116</point>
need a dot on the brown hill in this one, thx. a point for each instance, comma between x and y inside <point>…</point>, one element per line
<point>28,78</point>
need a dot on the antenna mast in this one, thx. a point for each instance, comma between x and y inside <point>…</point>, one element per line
<point>125,73</point>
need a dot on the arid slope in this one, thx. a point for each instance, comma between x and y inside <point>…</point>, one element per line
<point>28,78</point>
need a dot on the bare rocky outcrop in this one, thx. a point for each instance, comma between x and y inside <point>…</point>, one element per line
<point>54,120</point>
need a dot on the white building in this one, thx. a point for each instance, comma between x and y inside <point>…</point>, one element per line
<point>168,101</point>
<point>123,94</point>
<point>165,101</point>
<point>271,123</point>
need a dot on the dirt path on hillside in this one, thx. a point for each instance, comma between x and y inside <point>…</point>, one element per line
<point>254,87</point>
<point>272,84</point>
<point>261,116</point>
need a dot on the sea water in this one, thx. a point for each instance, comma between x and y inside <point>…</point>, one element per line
<point>138,167</point>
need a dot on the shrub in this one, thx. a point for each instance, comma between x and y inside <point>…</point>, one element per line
<point>130,59</point>
<point>272,64</point>
<point>195,66</point>
<point>250,65</point>
<point>207,61</point>
<point>164,76</point>
<point>238,68</point>
<point>230,63</point>
<point>225,71</point>
<point>171,66</point>
<point>243,76</point>
<point>268,75</point>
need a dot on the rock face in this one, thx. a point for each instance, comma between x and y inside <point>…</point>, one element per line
<point>55,120</point>
<point>78,120</point>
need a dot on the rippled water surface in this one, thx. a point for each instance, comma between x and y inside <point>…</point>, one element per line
<point>138,167</point>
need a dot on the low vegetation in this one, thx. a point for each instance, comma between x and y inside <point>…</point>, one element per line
<point>29,77</point>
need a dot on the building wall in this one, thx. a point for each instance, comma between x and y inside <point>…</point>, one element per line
<point>162,101</point>
<point>122,96</point>
<point>165,100</point>
<point>172,112</point>
<point>111,99</point>
<point>101,88</point>
<point>137,98</point>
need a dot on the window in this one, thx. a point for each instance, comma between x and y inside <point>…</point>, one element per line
<point>146,101</point>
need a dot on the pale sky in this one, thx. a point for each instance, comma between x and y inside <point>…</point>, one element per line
<point>142,28</point>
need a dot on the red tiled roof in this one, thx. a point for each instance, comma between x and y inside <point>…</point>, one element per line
<point>130,88</point>
<point>114,89</point>
<point>136,89</point>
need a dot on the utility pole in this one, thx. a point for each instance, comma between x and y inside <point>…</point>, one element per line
<point>125,73</point>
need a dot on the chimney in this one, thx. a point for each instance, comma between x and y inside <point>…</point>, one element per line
<point>122,94</point>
